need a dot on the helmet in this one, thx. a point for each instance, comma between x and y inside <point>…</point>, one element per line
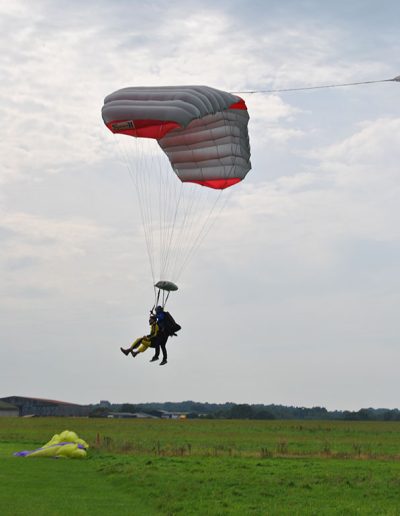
<point>159,309</point>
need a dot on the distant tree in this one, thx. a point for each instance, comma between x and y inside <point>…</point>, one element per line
<point>365,415</point>
<point>243,411</point>
<point>99,412</point>
<point>361,415</point>
<point>262,414</point>
<point>349,416</point>
<point>210,416</point>
<point>128,407</point>
<point>391,415</point>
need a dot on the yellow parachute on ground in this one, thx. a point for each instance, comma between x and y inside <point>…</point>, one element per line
<point>67,444</point>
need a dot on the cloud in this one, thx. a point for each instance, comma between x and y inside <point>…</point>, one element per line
<point>53,256</point>
<point>310,227</point>
<point>366,146</point>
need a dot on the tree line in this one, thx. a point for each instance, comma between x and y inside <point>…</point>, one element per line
<point>230,410</point>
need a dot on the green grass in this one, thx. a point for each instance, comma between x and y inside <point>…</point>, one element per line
<point>203,467</point>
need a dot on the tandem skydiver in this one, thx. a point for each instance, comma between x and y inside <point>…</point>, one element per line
<point>162,326</point>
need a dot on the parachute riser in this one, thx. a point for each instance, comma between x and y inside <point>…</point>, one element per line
<point>157,302</point>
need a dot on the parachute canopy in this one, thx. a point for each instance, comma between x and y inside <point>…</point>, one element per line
<point>166,285</point>
<point>67,444</point>
<point>202,130</point>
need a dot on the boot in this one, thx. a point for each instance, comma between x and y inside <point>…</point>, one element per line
<point>163,362</point>
<point>125,351</point>
<point>154,359</point>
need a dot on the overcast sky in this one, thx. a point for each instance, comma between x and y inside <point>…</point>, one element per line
<point>294,296</point>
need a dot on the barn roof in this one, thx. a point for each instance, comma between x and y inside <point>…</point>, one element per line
<point>43,400</point>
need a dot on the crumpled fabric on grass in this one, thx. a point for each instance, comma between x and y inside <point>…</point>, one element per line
<point>64,445</point>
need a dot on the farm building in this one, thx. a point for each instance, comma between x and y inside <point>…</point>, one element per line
<point>8,410</point>
<point>166,414</point>
<point>131,415</point>
<point>42,407</point>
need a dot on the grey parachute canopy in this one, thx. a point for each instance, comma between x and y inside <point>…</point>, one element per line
<point>202,130</point>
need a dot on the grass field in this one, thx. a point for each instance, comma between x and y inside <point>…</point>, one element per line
<point>167,467</point>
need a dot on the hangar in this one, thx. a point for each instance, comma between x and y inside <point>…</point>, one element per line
<point>8,410</point>
<point>27,406</point>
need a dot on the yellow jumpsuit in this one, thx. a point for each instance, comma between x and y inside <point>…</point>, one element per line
<point>146,340</point>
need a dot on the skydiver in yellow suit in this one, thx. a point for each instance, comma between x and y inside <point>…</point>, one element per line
<point>142,343</point>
